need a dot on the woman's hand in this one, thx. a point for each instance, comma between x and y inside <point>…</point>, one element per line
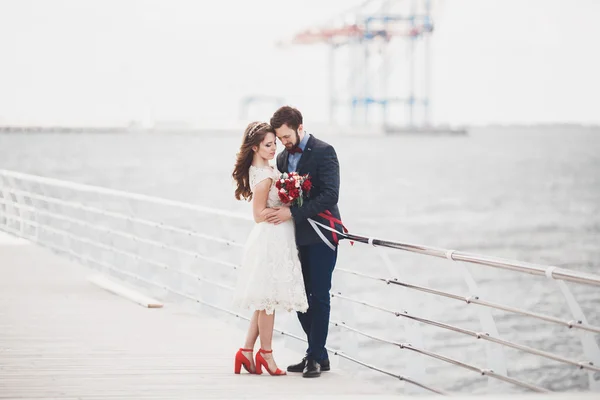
<point>264,214</point>
<point>280,215</point>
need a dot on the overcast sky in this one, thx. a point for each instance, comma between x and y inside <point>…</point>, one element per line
<point>111,61</point>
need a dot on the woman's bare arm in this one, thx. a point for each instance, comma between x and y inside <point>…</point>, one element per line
<point>259,200</point>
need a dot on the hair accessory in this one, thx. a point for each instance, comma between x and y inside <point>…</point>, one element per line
<point>254,129</point>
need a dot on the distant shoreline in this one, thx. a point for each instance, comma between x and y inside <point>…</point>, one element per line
<point>360,130</point>
<point>558,125</point>
<point>62,129</point>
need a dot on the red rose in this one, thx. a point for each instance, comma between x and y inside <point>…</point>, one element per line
<point>307,185</point>
<point>290,185</point>
<point>294,193</point>
<point>278,184</point>
<point>284,198</point>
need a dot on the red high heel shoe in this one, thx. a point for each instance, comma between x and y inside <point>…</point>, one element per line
<point>241,360</point>
<point>261,362</point>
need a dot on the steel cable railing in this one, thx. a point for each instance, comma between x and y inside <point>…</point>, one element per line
<point>395,281</point>
<point>476,300</point>
<point>124,253</point>
<point>454,255</point>
<point>220,285</point>
<point>479,335</point>
<point>17,204</point>
<point>99,211</point>
<point>336,352</point>
<point>449,360</point>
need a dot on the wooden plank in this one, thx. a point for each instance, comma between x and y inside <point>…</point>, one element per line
<point>125,292</point>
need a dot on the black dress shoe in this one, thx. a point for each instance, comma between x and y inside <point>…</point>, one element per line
<point>325,366</point>
<point>297,367</point>
<point>312,369</point>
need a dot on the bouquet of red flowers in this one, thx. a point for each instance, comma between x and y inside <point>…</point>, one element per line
<point>293,188</point>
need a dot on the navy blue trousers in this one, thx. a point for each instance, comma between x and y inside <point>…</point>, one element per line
<point>318,262</point>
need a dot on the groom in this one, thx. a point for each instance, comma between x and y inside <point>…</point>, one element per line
<point>306,154</point>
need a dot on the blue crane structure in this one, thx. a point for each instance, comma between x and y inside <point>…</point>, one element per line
<point>387,70</point>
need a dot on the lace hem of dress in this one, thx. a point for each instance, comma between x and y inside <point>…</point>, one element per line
<point>270,307</point>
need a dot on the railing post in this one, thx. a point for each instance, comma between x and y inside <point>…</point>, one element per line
<point>414,335</point>
<point>494,353</point>
<point>12,212</point>
<point>588,342</point>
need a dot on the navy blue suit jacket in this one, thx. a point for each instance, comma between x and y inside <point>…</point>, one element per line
<point>319,160</point>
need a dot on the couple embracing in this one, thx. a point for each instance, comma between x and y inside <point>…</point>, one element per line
<point>288,260</point>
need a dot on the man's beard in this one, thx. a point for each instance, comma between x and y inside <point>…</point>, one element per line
<point>297,141</point>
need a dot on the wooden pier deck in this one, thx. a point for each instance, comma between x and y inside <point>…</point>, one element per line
<point>63,337</point>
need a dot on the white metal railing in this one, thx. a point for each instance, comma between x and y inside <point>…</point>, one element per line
<point>454,255</point>
<point>122,233</point>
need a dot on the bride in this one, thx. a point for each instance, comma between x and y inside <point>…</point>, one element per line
<point>271,275</point>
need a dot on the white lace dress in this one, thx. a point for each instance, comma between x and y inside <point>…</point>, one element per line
<point>270,276</point>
